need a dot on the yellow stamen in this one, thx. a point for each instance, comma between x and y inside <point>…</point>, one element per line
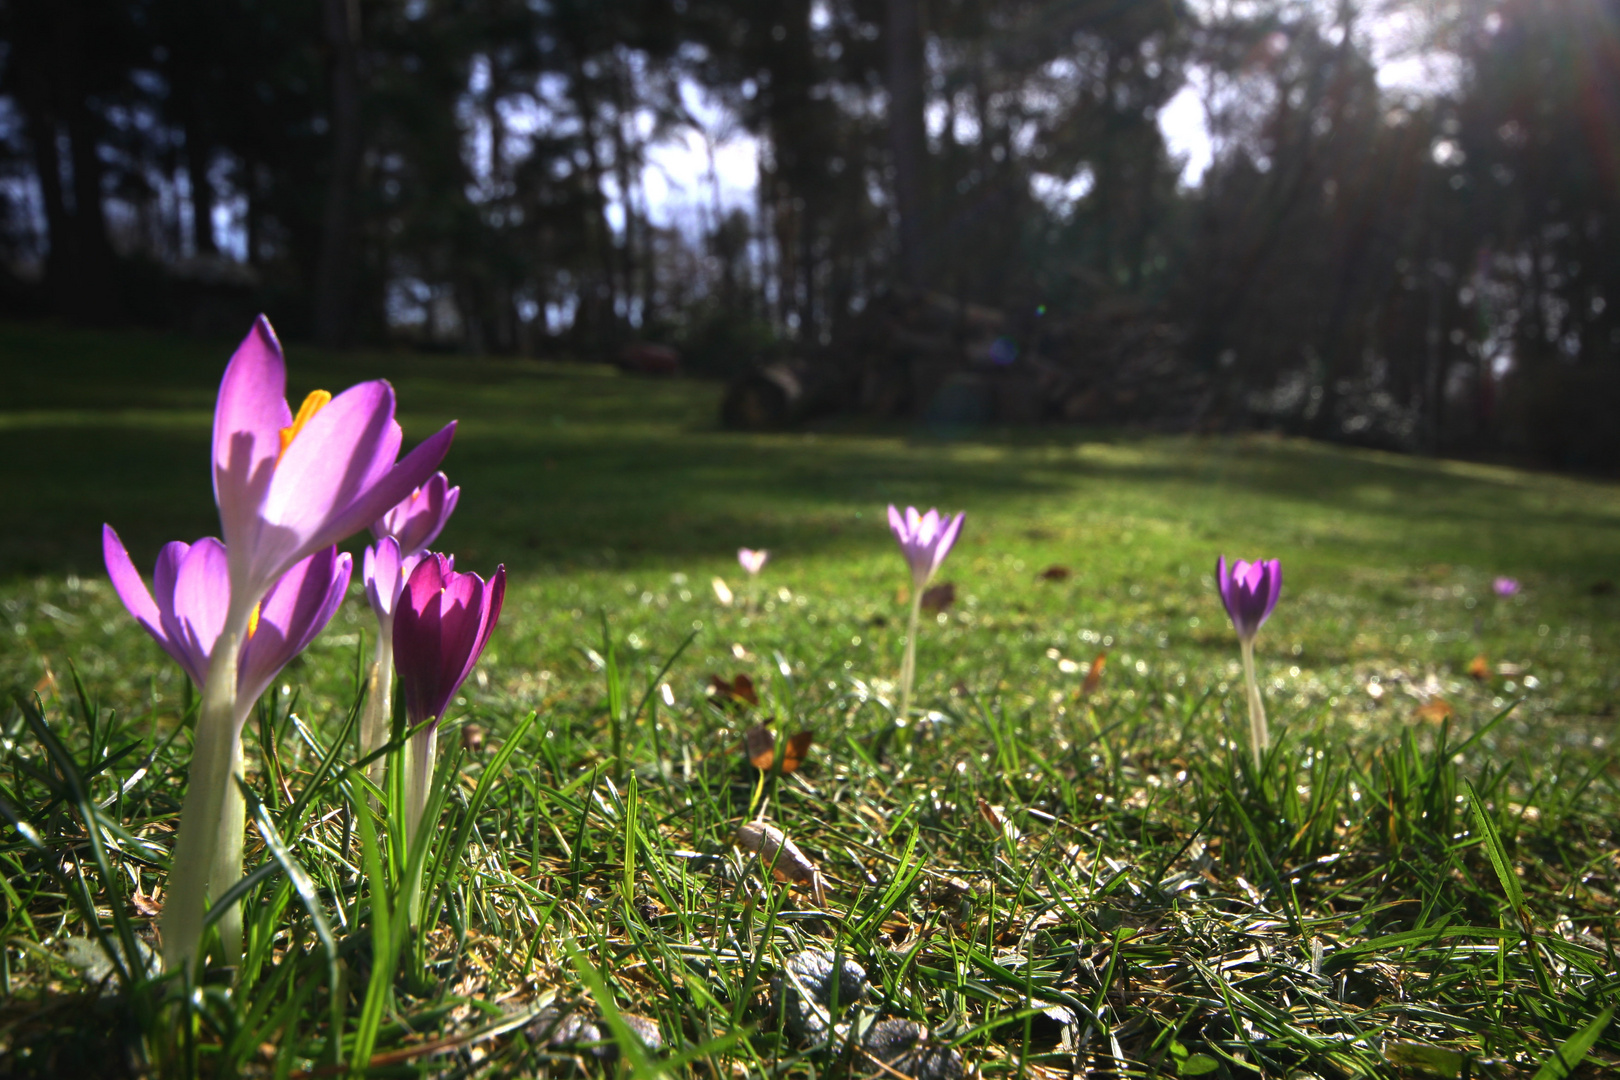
<point>253,622</point>
<point>306,412</point>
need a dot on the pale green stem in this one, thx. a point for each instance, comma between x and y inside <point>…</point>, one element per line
<point>419,760</point>
<point>377,719</point>
<point>908,666</point>
<point>207,858</point>
<point>1259,734</point>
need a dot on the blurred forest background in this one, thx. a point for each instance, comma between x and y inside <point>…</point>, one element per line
<point>964,211</point>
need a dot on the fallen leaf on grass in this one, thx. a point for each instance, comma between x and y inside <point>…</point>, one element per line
<point>939,598</point>
<point>739,688</point>
<point>994,816</point>
<point>783,857</point>
<point>1055,573</point>
<point>760,745</point>
<point>1094,676</point>
<point>1434,711</point>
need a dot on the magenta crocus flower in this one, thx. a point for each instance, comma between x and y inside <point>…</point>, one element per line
<point>289,485</point>
<point>751,560</point>
<point>403,535</point>
<point>925,540</point>
<point>1250,591</point>
<point>1505,586</point>
<point>442,625</point>
<point>444,620</point>
<point>419,519</point>
<point>192,583</point>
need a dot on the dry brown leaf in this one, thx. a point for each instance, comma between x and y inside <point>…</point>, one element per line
<point>760,745</point>
<point>994,816</point>
<point>939,598</point>
<point>1094,676</point>
<point>739,688</point>
<point>783,857</point>
<point>1434,711</point>
<point>798,748</point>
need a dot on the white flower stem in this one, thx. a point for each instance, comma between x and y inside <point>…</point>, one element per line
<point>419,760</point>
<point>908,665</point>
<point>1259,734</point>
<point>377,718</point>
<point>207,858</point>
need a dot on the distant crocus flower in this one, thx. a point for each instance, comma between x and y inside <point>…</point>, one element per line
<point>443,622</point>
<point>1250,591</point>
<point>187,616</point>
<point>1505,586</point>
<point>751,560</point>
<point>287,485</point>
<point>925,540</point>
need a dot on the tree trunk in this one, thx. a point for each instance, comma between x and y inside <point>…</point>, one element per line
<point>334,271</point>
<point>35,96</point>
<point>202,193</point>
<point>908,134</point>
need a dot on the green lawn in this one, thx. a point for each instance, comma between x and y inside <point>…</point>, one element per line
<point>1116,838</point>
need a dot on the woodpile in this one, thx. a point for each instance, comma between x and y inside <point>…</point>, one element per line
<point>955,364</point>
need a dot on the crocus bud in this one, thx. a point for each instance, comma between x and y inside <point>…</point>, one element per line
<point>441,626</point>
<point>1249,590</point>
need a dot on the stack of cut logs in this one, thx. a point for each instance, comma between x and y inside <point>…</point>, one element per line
<point>955,364</point>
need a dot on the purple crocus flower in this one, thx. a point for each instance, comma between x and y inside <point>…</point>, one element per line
<point>442,624</point>
<point>1250,591</point>
<point>1505,586</point>
<point>925,540</point>
<point>187,614</point>
<point>751,560</point>
<point>289,485</point>
<point>417,521</point>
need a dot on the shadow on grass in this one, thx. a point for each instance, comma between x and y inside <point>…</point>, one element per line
<point>572,465</point>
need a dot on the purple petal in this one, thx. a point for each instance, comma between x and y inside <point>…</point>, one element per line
<point>195,614</point>
<point>338,456</point>
<point>440,631</point>
<point>947,540</point>
<point>146,611</point>
<point>248,417</point>
<point>1273,587</point>
<point>297,607</point>
<point>384,574</point>
<point>126,581</point>
<point>419,518</point>
<point>416,637</point>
